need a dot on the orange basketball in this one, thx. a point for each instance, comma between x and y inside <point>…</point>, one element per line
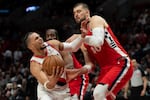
<point>50,62</point>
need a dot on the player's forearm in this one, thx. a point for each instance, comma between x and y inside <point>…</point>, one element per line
<point>74,45</point>
<point>82,70</point>
<point>50,84</point>
<point>97,38</point>
<point>145,84</point>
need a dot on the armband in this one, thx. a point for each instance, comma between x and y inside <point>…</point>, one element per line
<point>74,45</point>
<point>46,86</point>
<point>97,37</point>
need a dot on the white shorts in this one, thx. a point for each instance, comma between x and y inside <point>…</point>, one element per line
<point>59,94</point>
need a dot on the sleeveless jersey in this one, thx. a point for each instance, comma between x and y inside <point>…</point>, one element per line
<point>109,52</point>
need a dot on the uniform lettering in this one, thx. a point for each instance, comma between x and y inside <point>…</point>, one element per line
<point>110,41</point>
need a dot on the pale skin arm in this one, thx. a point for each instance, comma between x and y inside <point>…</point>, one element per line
<point>97,21</point>
<point>67,57</point>
<point>87,59</point>
<point>72,46</point>
<point>73,73</point>
<point>145,81</point>
<point>36,71</point>
<point>65,46</point>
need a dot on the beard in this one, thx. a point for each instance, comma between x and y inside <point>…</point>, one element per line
<point>79,21</point>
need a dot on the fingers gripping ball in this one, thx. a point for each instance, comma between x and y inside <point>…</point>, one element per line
<point>52,62</point>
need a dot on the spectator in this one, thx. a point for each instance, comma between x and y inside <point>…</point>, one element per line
<point>138,83</point>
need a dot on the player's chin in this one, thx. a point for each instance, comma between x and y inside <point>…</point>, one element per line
<point>78,20</point>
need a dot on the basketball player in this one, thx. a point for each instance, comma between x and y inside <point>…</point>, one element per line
<point>48,86</point>
<point>78,85</point>
<point>103,47</point>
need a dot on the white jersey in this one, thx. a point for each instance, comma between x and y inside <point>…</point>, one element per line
<point>58,92</point>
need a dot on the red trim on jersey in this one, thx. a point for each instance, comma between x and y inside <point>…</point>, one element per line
<point>108,53</point>
<point>38,56</point>
<point>35,61</point>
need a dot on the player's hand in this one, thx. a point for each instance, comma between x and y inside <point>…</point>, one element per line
<point>125,96</point>
<point>57,71</point>
<point>83,27</point>
<point>142,93</point>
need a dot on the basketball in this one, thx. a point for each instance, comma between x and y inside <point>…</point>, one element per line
<point>50,62</point>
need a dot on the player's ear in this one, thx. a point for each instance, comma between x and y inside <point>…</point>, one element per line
<point>87,13</point>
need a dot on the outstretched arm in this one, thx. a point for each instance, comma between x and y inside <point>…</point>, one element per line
<point>72,46</point>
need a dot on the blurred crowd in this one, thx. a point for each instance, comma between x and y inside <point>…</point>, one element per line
<point>16,82</point>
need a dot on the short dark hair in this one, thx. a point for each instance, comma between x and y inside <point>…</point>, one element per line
<point>53,31</point>
<point>84,5</point>
<point>26,38</point>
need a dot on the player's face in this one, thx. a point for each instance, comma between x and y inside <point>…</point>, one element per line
<point>36,41</point>
<point>134,63</point>
<point>50,35</point>
<point>80,14</point>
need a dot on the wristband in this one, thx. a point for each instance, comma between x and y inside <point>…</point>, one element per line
<point>88,67</point>
<point>46,86</point>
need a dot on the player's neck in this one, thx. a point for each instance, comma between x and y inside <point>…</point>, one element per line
<point>40,53</point>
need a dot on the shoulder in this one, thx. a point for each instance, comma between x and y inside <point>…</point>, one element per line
<point>96,17</point>
<point>54,43</point>
<point>98,20</point>
<point>34,66</point>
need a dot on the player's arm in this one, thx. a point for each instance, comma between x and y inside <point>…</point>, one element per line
<point>89,65</point>
<point>67,57</point>
<point>72,46</point>
<point>65,46</point>
<point>145,81</point>
<point>48,82</point>
<point>72,73</point>
<point>96,25</point>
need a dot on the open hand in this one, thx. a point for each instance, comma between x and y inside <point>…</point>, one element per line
<point>57,72</point>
